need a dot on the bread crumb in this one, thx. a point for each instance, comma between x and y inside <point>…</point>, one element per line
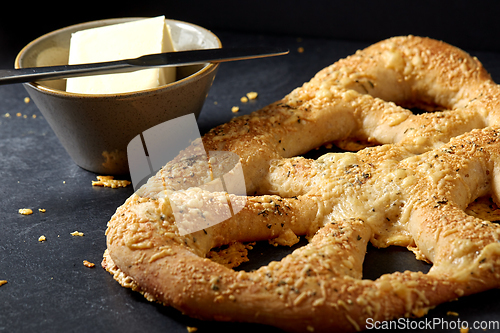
<point>25,211</point>
<point>244,99</point>
<point>300,49</point>
<point>42,238</point>
<point>109,181</point>
<point>42,210</point>
<point>7,115</point>
<point>252,95</point>
<point>33,116</point>
<point>19,114</point>
<point>232,256</point>
<point>191,329</point>
<point>452,313</point>
<point>77,233</point>
<point>26,100</point>
<point>88,264</point>
<point>464,329</point>
<point>2,282</point>
<point>235,109</point>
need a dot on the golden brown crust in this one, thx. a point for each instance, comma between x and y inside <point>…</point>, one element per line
<point>411,191</point>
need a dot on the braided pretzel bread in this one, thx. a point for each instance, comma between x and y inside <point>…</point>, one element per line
<point>411,191</point>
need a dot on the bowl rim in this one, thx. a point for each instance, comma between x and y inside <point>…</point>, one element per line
<point>206,69</point>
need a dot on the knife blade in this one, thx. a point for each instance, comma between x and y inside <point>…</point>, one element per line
<point>169,59</point>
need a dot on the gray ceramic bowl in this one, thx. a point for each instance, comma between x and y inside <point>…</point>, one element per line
<point>96,129</point>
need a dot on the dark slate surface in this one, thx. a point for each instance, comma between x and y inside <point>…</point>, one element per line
<point>49,290</point>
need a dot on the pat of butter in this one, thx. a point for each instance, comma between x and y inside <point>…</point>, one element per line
<point>118,42</point>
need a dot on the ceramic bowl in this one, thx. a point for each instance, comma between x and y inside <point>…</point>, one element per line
<point>96,129</point>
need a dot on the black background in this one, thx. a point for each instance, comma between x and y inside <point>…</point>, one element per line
<point>466,24</point>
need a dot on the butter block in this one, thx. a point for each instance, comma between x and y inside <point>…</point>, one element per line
<point>118,42</point>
